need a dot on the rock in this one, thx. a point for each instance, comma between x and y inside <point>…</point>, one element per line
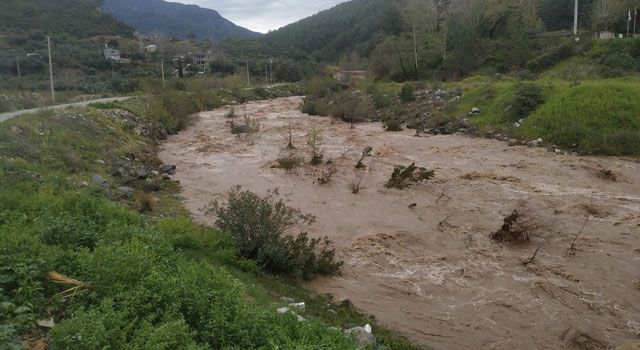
<point>155,173</point>
<point>513,142</point>
<point>361,336</point>
<point>151,188</point>
<point>121,172</point>
<point>413,205</point>
<point>300,318</point>
<point>535,143</point>
<point>125,191</point>
<point>142,173</point>
<point>288,300</point>
<point>557,151</point>
<point>46,323</point>
<point>16,130</point>
<point>475,110</point>
<point>299,306</point>
<point>168,169</point>
<point>100,161</point>
<point>282,310</point>
<point>100,181</point>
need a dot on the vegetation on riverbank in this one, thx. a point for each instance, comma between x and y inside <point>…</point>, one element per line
<point>70,181</point>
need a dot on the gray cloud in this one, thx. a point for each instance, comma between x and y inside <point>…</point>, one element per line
<point>264,15</point>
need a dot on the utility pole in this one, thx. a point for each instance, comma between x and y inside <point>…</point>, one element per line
<point>635,20</point>
<point>18,67</point>
<point>629,24</point>
<point>271,70</point>
<point>162,69</point>
<point>248,81</point>
<point>575,18</point>
<point>53,94</point>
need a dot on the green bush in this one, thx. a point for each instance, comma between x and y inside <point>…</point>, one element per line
<point>407,93</point>
<point>404,176</point>
<point>351,107</point>
<point>528,96</point>
<point>262,228</point>
<point>550,58</point>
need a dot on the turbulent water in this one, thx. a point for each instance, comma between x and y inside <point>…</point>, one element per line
<point>421,259</point>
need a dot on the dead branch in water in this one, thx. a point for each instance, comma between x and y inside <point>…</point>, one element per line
<point>572,248</point>
<point>525,263</point>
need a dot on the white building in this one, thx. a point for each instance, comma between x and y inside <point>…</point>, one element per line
<point>151,48</point>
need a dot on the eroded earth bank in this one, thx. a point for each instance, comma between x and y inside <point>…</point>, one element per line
<point>421,259</point>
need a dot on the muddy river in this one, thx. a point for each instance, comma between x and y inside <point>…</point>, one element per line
<point>421,259</point>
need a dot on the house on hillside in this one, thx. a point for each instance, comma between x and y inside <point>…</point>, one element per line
<point>151,48</point>
<point>114,55</point>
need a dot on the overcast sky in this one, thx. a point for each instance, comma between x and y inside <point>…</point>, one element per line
<point>264,15</point>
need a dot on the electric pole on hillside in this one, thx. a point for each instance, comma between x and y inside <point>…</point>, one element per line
<point>629,24</point>
<point>18,67</point>
<point>248,80</point>
<point>271,70</point>
<point>575,19</point>
<point>53,94</point>
<point>162,69</point>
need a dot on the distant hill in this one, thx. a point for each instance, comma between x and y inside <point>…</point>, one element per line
<point>75,18</point>
<point>174,19</point>
<point>357,25</point>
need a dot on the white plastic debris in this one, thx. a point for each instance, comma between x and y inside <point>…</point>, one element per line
<point>282,310</point>
<point>367,328</point>
<point>297,305</point>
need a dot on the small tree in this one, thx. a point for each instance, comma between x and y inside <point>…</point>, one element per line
<point>314,141</point>
<point>404,176</point>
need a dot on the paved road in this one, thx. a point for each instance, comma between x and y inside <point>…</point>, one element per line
<point>9,115</point>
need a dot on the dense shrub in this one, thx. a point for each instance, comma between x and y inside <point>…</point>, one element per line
<point>262,227</point>
<point>528,96</point>
<point>550,58</point>
<point>407,93</point>
<point>351,107</point>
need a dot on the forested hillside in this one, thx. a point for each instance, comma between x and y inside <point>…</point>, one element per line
<point>174,19</point>
<point>356,26</point>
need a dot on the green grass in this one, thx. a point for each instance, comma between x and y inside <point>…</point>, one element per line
<point>593,117</point>
<point>598,117</point>
<point>157,280</point>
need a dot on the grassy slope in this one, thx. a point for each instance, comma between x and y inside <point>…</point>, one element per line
<point>594,116</point>
<point>156,280</point>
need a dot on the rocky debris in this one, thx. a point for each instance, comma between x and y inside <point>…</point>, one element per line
<point>100,161</point>
<point>150,187</point>
<point>142,173</point>
<point>452,127</point>
<point>513,142</point>
<point>125,191</point>
<point>475,110</point>
<point>168,169</point>
<point>299,318</point>
<point>100,181</point>
<point>282,310</point>
<point>362,335</point>
<point>536,143</point>
<point>439,94</point>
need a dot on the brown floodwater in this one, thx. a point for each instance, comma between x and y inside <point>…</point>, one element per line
<point>421,259</point>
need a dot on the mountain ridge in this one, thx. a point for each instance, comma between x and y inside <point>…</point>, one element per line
<point>175,19</point>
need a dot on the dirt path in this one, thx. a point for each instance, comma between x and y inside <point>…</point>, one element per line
<point>431,271</point>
